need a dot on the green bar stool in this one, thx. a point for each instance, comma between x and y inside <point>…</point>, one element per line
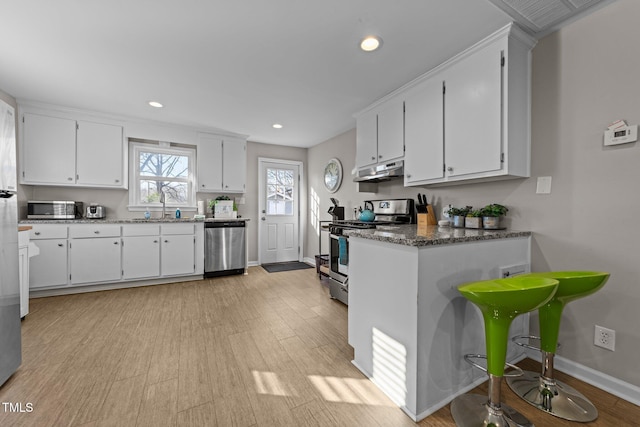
<point>542,390</point>
<point>500,301</point>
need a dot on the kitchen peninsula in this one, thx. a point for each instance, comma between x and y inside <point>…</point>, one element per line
<point>408,325</point>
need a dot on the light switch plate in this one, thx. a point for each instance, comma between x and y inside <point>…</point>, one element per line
<point>544,185</point>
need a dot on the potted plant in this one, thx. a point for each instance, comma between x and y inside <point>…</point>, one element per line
<point>458,215</point>
<point>491,215</point>
<point>473,219</point>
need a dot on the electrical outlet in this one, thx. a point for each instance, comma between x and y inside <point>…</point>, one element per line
<point>513,270</point>
<point>445,211</point>
<point>605,338</point>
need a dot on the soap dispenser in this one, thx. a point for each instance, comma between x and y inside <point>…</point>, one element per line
<point>178,213</point>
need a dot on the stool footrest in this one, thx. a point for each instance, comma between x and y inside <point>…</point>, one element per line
<point>529,346</point>
<point>468,358</point>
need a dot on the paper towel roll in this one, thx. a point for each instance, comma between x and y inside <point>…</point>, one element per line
<point>201,207</point>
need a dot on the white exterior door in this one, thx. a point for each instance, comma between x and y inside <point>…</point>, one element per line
<point>279,214</point>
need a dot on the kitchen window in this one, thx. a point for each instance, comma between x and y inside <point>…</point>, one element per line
<point>161,167</point>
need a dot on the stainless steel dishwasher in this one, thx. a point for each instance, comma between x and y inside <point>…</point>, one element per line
<point>224,248</point>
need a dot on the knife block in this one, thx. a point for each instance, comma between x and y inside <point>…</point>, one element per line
<point>428,218</point>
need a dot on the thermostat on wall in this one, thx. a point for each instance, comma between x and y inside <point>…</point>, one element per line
<point>620,133</point>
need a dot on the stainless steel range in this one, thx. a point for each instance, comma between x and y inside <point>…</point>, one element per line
<point>393,211</point>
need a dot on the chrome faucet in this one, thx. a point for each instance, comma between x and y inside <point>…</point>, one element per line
<point>163,201</point>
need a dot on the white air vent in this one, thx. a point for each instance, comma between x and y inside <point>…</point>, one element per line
<point>540,17</point>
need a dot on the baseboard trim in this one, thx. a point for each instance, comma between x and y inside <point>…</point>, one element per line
<point>613,385</point>
<point>252,264</point>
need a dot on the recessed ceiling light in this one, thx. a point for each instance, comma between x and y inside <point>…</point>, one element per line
<point>156,104</point>
<point>277,126</point>
<point>370,43</point>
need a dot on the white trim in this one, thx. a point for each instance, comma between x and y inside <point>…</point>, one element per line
<point>615,386</point>
<point>301,203</point>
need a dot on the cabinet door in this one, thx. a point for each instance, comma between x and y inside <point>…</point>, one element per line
<point>424,133</point>
<point>48,150</point>
<point>178,255</point>
<point>367,139</point>
<point>473,113</point>
<point>100,155</point>
<point>140,257</point>
<point>95,260</point>
<point>391,131</point>
<point>209,159</point>
<point>234,165</point>
<point>49,268</point>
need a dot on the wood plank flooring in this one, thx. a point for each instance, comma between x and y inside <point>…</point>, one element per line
<point>256,350</point>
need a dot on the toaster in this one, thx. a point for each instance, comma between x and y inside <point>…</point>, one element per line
<point>96,212</point>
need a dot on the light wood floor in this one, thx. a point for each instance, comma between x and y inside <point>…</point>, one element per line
<point>257,350</point>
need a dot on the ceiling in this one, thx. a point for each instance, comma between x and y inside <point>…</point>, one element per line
<point>241,66</point>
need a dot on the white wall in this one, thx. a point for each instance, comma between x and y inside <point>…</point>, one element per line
<point>584,77</point>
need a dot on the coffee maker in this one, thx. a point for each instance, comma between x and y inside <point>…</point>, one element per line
<point>337,212</point>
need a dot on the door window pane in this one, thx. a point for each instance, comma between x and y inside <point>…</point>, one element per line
<point>280,186</point>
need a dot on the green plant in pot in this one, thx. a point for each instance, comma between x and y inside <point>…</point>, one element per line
<point>491,215</point>
<point>474,219</point>
<point>458,215</point>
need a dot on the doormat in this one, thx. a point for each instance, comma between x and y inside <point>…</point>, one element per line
<point>277,267</point>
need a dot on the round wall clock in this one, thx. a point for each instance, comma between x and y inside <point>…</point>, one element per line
<point>333,175</point>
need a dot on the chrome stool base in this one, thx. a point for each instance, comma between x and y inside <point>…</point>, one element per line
<point>473,410</point>
<point>553,397</point>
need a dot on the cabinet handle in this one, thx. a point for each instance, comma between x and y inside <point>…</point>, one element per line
<point>373,157</point>
<point>97,232</point>
<point>115,243</point>
<point>226,186</point>
<point>166,241</point>
<point>380,156</point>
<point>117,181</point>
<point>155,241</point>
<point>60,244</point>
<point>450,169</point>
<point>69,179</point>
<point>37,233</point>
<point>202,185</point>
<point>408,175</point>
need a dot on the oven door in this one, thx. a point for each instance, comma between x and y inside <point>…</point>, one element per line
<point>339,257</point>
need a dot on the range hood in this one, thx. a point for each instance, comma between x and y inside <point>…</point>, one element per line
<point>380,172</point>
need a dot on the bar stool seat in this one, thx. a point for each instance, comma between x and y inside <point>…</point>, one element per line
<point>500,301</point>
<point>542,390</point>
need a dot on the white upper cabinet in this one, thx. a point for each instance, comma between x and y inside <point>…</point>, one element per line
<point>57,148</point>
<point>367,139</point>
<point>209,159</point>
<point>469,118</point>
<point>222,164</point>
<point>379,135</point>
<point>100,155</point>
<point>48,150</point>
<point>473,112</point>
<point>424,132</point>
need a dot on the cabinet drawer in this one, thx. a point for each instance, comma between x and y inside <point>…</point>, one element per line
<point>168,229</point>
<point>141,230</point>
<point>94,230</point>
<point>48,231</point>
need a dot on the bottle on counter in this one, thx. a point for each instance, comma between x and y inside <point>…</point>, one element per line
<point>178,213</point>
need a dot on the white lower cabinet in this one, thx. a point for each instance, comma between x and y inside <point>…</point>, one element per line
<point>95,260</point>
<point>95,254</point>
<point>49,269</point>
<point>178,250</point>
